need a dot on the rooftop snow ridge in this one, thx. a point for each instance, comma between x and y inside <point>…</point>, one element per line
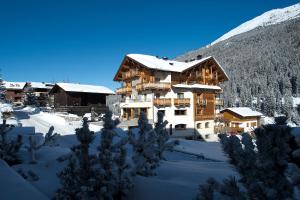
<point>268,18</point>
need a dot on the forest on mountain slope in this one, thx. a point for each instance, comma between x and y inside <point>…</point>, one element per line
<point>263,66</point>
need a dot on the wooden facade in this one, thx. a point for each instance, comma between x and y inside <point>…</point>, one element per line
<point>15,96</point>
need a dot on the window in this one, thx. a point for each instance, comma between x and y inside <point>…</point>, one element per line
<point>162,111</point>
<point>247,124</point>
<point>253,124</point>
<point>157,79</point>
<point>180,127</point>
<point>180,95</point>
<point>180,112</point>
<point>199,126</point>
<point>206,124</point>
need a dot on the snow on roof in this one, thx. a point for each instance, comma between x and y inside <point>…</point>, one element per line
<point>164,64</point>
<point>40,85</point>
<point>14,85</point>
<point>169,65</point>
<point>75,87</point>
<point>198,86</point>
<point>268,18</point>
<point>244,111</point>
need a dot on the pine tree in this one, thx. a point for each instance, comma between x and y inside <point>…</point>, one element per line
<point>262,168</point>
<point>163,136</point>
<point>9,148</point>
<point>145,153</point>
<point>2,88</point>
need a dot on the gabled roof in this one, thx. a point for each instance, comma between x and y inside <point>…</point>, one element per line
<point>75,87</point>
<point>157,63</point>
<point>39,85</point>
<point>243,111</point>
<point>14,85</point>
<point>198,86</point>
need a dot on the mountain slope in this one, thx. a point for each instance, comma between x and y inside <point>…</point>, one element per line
<point>268,18</point>
<point>263,63</point>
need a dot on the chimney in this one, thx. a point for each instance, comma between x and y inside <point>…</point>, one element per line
<point>165,58</point>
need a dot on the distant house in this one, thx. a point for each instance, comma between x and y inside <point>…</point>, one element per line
<point>241,119</point>
<point>78,98</point>
<point>40,90</point>
<point>14,92</point>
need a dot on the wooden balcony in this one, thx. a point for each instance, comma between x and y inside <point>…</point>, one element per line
<point>162,102</point>
<point>219,102</point>
<point>205,117</point>
<point>153,86</point>
<point>124,90</point>
<point>182,102</point>
<point>130,74</point>
<point>201,102</point>
<point>235,130</point>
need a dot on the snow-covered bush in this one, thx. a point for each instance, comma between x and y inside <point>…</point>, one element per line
<point>262,167</point>
<point>163,142</point>
<point>34,144</point>
<point>102,176</point>
<point>9,148</point>
<point>145,152</point>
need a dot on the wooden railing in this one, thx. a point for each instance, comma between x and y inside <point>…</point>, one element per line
<point>182,102</point>
<point>123,90</point>
<point>204,117</point>
<point>201,102</point>
<point>162,102</point>
<point>153,86</point>
<point>130,74</point>
<point>219,102</point>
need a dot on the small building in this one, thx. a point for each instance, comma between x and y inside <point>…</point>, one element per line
<point>78,98</point>
<point>41,92</point>
<point>14,92</point>
<point>241,119</point>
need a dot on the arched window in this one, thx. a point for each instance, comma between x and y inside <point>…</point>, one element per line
<point>206,124</point>
<point>199,125</point>
<point>180,127</point>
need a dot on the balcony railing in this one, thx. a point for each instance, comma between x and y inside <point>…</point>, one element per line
<point>201,102</point>
<point>124,90</point>
<point>182,102</point>
<point>126,100</point>
<point>205,117</point>
<point>219,102</point>
<point>130,74</point>
<point>162,102</point>
<point>153,86</point>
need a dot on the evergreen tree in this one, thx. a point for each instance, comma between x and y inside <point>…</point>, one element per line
<point>2,88</point>
<point>145,153</point>
<point>262,168</point>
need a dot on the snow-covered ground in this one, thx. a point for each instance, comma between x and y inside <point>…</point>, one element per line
<point>178,177</point>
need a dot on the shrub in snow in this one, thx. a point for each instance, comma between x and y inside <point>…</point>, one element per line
<point>77,175</point>
<point>9,148</point>
<point>163,136</point>
<point>105,176</point>
<point>145,153</point>
<point>34,146</point>
<point>262,167</point>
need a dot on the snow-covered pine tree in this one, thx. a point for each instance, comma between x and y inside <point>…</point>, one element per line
<point>145,153</point>
<point>78,177</point>
<point>30,99</point>
<point>2,88</point>
<point>115,178</point>
<point>263,171</point>
<point>9,148</point>
<point>163,136</point>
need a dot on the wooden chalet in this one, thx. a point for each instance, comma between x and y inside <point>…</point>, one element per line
<point>187,92</point>
<point>240,119</point>
<point>14,92</point>
<point>78,98</point>
<point>41,91</point>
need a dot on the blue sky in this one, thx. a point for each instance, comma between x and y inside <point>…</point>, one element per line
<point>85,41</point>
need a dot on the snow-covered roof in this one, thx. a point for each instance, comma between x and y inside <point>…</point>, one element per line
<point>154,62</point>
<point>14,85</point>
<point>198,86</point>
<point>244,111</point>
<point>40,85</point>
<point>75,87</point>
<point>268,18</point>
